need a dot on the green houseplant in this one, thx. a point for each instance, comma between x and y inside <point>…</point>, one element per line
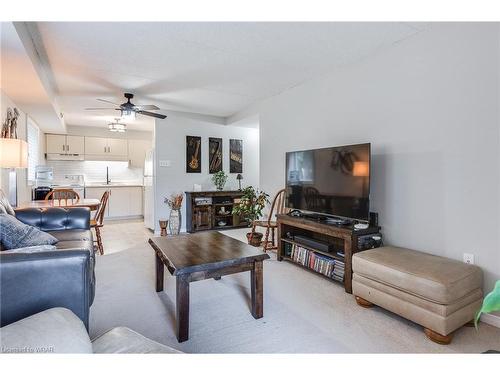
<point>219,179</point>
<point>491,302</point>
<point>250,208</point>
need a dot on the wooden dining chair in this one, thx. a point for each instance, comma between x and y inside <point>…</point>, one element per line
<point>97,221</point>
<point>63,194</point>
<point>277,207</point>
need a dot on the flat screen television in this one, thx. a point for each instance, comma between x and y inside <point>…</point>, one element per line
<point>334,181</point>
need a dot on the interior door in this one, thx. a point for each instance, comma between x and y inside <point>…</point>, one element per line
<point>56,144</point>
<point>75,144</point>
<point>96,146</point>
<point>117,147</point>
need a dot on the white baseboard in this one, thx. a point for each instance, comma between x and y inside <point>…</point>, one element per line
<point>492,320</point>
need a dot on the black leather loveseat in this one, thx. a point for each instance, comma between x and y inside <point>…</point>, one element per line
<point>33,282</point>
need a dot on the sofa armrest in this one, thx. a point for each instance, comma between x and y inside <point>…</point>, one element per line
<point>55,218</point>
<point>30,283</point>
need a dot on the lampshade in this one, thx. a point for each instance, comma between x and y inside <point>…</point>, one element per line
<point>239,176</point>
<point>361,169</point>
<point>13,153</point>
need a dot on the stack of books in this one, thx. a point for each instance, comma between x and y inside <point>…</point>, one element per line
<point>320,263</point>
<point>338,271</point>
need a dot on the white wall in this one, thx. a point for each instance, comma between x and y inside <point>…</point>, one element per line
<point>170,144</point>
<point>429,107</point>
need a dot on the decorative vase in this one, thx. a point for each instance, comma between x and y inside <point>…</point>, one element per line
<point>163,227</point>
<point>174,221</point>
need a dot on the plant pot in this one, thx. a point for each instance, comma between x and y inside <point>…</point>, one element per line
<point>255,239</point>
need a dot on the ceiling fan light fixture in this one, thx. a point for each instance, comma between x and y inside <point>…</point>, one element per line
<point>117,127</point>
<point>128,114</point>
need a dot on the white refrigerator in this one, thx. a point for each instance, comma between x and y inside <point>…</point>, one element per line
<point>149,193</point>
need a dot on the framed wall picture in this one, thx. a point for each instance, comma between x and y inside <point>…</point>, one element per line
<point>193,154</point>
<point>214,155</point>
<point>235,156</point>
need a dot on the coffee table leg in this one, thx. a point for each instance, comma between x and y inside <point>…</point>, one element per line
<point>160,269</point>
<point>257,286</point>
<point>182,308</point>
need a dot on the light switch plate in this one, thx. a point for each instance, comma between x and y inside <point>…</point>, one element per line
<point>164,163</point>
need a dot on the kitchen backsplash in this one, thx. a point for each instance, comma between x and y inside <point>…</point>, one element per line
<point>95,171</point>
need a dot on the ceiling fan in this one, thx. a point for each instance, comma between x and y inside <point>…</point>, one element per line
<point>129,110</point>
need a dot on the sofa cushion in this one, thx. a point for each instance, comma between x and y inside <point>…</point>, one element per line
<point>124,340</point>
<point>55,330</point>
<point>15,234</point>
<point>5,207</point>
<point>437,279</point>
<point>73,239</point>
<point>30,249</point>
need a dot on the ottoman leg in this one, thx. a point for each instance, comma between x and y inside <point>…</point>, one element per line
<point>363,302</point>
<point>438,338</point>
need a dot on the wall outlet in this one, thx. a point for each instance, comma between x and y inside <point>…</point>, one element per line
<point>468,258</point>
<point>164,163</point>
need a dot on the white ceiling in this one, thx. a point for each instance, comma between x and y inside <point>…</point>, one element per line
<point>214,69</point>
<point>21,82</point>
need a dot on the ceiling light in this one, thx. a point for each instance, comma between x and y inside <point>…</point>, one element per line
<point>128,114</point>
<point>117,127</point>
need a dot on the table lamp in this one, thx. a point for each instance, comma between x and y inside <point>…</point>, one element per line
<point>362,169</point>
<point>239,177</point>
<point>13,154</point>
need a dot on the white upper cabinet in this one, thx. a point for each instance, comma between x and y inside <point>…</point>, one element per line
<point>118,147</point>
<point>137,149</point>
<point>56,144</point>
<point>74,147</point>
<point>65,147</point>
<point>97,148</point>
<point>75,144</point>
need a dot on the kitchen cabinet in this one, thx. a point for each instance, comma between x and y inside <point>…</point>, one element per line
<point>75,144</point>
<point>65,147</point>
<point>98,148</point>
<point>117,147</point>
<point>124,201</point>
<point>137,149</point>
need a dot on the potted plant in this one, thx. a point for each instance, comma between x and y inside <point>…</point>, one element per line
<point>219,179</point>
<point>250,208</point>
<point>491,303</point>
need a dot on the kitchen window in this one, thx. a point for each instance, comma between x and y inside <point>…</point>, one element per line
<point>33,148</point>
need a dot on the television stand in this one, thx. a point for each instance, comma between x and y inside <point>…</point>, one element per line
<point>343,239</point>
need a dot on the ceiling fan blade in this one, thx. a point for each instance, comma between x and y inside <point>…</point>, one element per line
<point>108,101</point>
<point>152,114</point>
<point>149,107</point>
<point>98,108</point>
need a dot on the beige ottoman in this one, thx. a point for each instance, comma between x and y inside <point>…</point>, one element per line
<point>438,293</point>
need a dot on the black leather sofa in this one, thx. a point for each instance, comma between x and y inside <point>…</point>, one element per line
<point>33,282</point>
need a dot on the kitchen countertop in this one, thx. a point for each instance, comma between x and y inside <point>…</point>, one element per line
<point>112,184</point>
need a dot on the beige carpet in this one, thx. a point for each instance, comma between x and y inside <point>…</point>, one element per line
<point>303,313</point>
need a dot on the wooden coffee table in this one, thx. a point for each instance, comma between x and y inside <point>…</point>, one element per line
<point>206,255</point>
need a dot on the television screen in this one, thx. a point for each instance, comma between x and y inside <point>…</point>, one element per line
<point>333,181</point>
